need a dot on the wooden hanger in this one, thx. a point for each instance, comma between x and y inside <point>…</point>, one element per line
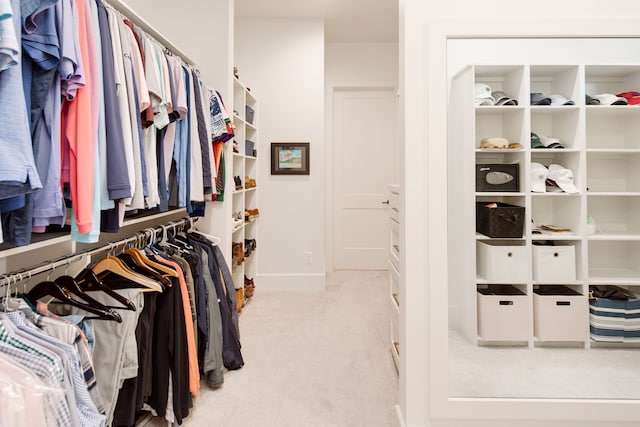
<point>63,295</point>
<point>89,282</point>
<point>69,284</point>
<point>142,259</point>
<point>111,264</point>
<point>140,267</point>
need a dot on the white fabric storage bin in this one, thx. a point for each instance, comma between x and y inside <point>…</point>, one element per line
<point>502,264</point>
<point>554,263</point>
<point>560,314</point>
<point>503,317</point>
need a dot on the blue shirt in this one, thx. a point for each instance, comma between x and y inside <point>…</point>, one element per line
<point>18,174</point>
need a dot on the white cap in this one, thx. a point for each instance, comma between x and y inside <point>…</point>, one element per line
<point>557,99</point>
<point>563,177</point>
<point>502,98</point>
<point>610,99</point>
<point>482,94</point>
<point>539,175</point>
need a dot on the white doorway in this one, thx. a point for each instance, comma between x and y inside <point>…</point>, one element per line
<point>364,162</point>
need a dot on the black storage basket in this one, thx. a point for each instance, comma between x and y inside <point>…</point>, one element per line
<point>505,220</point>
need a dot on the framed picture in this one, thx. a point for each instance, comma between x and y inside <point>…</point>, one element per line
<point>289,158</point>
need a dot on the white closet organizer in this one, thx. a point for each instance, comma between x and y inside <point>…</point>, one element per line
<point>245,166</point>
<point>394,269</point>
<point>507,289</point>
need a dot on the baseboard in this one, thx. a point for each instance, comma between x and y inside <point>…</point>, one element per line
<point>399,414</point>
<point>291,282</point>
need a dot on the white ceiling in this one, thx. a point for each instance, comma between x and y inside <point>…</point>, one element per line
<point>346,21</point>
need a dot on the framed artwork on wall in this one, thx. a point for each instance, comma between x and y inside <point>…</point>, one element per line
<point>289,158</point>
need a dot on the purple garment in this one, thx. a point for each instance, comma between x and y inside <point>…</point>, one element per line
<point>44,48</point>
<point>70,69</point>
<point>117,175</point>
<point>203,135</point>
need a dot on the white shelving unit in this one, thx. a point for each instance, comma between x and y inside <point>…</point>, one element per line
<point>394,270</point>
<point>602,149</point>
<point>245,166</point>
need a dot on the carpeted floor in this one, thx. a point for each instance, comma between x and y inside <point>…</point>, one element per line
<point>311,359</point>
<point>521,372</point>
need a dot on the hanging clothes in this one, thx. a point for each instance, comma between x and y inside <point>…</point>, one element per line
<point>225,291</point>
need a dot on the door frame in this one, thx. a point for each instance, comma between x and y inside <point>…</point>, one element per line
<point>330,91</point>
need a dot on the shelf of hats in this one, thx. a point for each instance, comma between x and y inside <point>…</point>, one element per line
<point>557,199</point>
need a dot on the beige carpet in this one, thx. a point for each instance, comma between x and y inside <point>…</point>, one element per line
<point>521,372</point>
<point>311,359</point>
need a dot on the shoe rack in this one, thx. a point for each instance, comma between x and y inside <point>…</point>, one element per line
<point>245,211</point>
<point>493,303</point>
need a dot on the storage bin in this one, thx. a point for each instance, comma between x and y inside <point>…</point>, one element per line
<point>502,314</point>
<point>502,264</point>
<point>559,314</point>
<point>614,314</point>
<point>554,263</point>
<point>498,177</point>
<point>249,114</point>
<point>249,147</point>
<point>503,220</point>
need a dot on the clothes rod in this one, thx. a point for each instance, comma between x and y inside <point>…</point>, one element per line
<point>25,274</point>
<point>148,28</point>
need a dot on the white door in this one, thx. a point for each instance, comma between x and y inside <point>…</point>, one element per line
<point>364,163</point>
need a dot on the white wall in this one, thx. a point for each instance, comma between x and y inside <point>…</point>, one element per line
<point>361,63</point>
<point>193,33</point>
<point>282,61</point>
<point>425,26</point>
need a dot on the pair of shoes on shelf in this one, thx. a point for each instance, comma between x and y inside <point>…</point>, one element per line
<point>249,247</point>
<point>251,214</point>
<point>237,253</point>
<point>249,287</point>
<point>249,182</point>
<point>238,181</point>
<point>239,299</point>
<point>251,244</point>
<point>235,147</point>
<point>237,219</point>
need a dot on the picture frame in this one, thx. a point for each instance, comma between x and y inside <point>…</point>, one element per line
<point>290,158</point>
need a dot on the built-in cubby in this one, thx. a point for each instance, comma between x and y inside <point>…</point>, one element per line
<point>245,209</point>
<point>584,231</point>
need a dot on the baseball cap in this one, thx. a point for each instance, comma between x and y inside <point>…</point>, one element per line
<point>502,98</point>
<point>550,142</point>
<point>538,98</point>
<point>539,175</point>
<point>557,99</point>
<point>535,141</point>
<point>562,177</point>
<point>610,99</point>
<point>633,98</point>
<point>589,100</point>
<point>482,94</point>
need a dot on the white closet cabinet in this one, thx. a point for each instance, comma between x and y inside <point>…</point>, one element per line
<point>601,148</point>
<point>245,199</point>
<point>394,269</point>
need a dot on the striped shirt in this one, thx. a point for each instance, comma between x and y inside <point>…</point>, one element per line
<point>49,372</point>
<point>87,412</point>
<point>72,335</point>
